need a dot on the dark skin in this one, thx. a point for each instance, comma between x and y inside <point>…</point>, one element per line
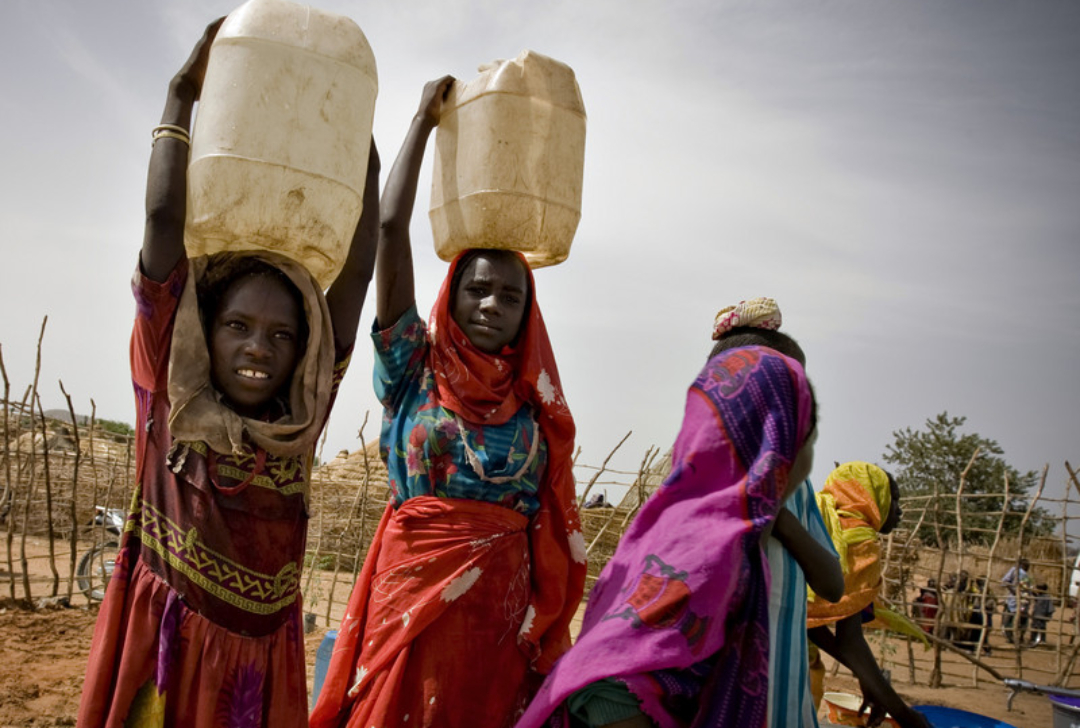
<point>166,208</point>
<point>396,291</point>
<point>819,565</point>
<point>489,303</point>
<point>254,343</point>
<point>848,646</point>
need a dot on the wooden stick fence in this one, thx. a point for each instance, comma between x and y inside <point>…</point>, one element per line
<point>54,472</point>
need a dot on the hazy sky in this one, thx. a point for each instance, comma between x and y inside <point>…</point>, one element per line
<point>903,177</point>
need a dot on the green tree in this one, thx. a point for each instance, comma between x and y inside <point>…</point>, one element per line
<point>937,455</point>
<point>116,427</point>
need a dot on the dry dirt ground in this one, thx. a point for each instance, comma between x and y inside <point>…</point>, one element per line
<point>43,655</point>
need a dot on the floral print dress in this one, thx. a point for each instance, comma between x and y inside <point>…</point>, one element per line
<point>430,450</point>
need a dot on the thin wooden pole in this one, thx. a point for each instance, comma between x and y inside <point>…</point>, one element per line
<point>984,633</point>
<point>95,530</point>
<point>945,644</point>
<point>363,501</point>
<point>322,523</point>
<point>943,550</point>
<point>603,466</point>
<point>33,472</point>
<point>9,486</point>
<point>646,461</point>
<point>907,545</point>
<point>73,543</point>
<point>883,659</point>
<point>48,500</point>
<point>21,476</point>
<point>1063,590</point>
<point>348,525</point>
<point>961,599</point>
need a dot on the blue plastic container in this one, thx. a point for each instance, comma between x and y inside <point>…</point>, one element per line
<point>322,662</point>
<point>941,717</point>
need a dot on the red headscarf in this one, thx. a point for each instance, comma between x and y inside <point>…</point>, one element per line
<point>489,389</point>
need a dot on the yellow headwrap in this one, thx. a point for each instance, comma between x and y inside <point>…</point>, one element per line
<point>854,502</point>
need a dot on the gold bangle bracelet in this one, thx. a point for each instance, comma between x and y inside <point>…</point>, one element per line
<point>170,127</point>
<point>170,135</point>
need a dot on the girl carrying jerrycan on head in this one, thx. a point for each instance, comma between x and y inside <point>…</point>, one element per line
<point>235,361</point>
<point>478,564</point>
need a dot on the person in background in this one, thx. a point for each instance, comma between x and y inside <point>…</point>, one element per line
<point>1042,609</point>
<point>1017,584</point>
<point>958,604</point>
<point>925,606</point>
<point>676,630</point>
<point>858,502</point>
<point>478,565</point>
<point>235,361</point>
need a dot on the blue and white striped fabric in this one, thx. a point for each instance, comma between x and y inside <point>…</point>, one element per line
<point>790,703</point>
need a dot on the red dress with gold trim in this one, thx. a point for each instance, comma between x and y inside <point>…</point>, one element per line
<point>201,623</point>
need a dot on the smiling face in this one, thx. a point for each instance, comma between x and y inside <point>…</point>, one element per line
<point>489,302</point>
<point>254,343</point>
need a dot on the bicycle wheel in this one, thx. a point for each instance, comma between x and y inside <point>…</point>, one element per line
<point>95,568</point>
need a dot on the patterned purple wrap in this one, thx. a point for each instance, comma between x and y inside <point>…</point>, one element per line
<point>680,613</point>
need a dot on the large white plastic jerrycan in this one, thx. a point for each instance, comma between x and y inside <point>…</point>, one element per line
<point>509,161</point>
<point>281,138</point>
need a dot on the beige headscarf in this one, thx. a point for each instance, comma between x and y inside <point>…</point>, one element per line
<point>197,410</point>
<point>757,313</point>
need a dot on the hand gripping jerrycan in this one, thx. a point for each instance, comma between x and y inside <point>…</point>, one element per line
<point>281,139</point>
<point>509,161</point>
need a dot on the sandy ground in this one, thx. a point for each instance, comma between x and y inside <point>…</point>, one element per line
<point>43,656</point>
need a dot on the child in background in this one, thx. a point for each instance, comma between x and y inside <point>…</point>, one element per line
<point>925,606</point>
<point>1042,608</point>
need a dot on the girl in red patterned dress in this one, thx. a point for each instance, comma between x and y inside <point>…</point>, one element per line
<point>235,361</point>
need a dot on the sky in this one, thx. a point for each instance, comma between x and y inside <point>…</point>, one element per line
<point>902,177</point>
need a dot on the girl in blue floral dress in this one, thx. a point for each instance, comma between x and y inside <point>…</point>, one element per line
<point>478,565</point>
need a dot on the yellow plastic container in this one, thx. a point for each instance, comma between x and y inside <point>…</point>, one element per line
<point>509,161</point>
<point>281,139</point>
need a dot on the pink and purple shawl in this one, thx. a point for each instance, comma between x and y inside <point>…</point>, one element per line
<point>680,613</point>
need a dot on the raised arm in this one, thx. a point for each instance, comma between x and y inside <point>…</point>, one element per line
<point>166,183</point>
<point>345,299</point>
<point>820,567</point>
<point>394,268</point>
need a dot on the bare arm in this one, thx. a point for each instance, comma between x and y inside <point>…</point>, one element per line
<point>850,648</point>
<point>819,565</point>
<point>394,268</point>
<point>345,299</point>
<point>166,183</point>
